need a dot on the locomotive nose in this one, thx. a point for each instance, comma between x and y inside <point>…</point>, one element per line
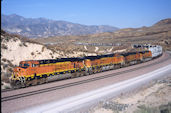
<point>15,73</point>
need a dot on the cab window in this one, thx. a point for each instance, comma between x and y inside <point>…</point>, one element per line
<point>24,65</point>
<point>34,65</point>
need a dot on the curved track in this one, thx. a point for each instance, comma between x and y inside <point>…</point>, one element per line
<point>16,100</point>
<point>21,95</point>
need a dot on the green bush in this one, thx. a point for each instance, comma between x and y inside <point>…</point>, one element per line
<point>146,109</point>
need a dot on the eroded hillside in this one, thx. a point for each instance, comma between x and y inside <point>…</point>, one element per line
<point>159,33</point>
<point>15,48</point>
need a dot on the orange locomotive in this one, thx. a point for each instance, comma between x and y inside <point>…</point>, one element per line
<point>35,72</point>
<point>100,63</point>
<point>147,55</point>
<point>40,71</point>
<point>133,58</point>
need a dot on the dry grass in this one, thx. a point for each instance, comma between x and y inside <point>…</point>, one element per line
<point>160,35</point>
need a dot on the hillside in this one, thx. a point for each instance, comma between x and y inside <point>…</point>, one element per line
<point>42,27</point>
<point>15,48</point>
<point>159,33</point>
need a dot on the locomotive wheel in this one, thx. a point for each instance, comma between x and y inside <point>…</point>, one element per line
<point>28,83</point>
<point>98,71</point>
<point>34,82</point>
<point>81,74</point>
<point>74,75</point>
<point>120,66</point>
<point>78,74</point>
<point>85,73</point>
<point>41,81</point>
<point>46,81</point>
<point>90,72</point>
<point>17,85</point>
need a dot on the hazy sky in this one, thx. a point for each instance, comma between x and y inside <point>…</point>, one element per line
<point>119,13</point>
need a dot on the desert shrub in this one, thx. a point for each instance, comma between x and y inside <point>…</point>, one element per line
<point>15,35</point>
<point>15,39</point>
<point>25,44</point>
<point>3,46</point>
<point>51,47</point>
<point>4,59</point>
<point>43,48</point>
<point>20,45</point>
<point>24,39</point>
<point>10,64</point>
<point>7,38</point>
<point>2,32</point>
<point>5,66</point>
<point>145,109</point>
<point>7,86</point>
<point>32,53</point>
<point>10,70</point>
<point>50,54</point>
<point>4,77</point>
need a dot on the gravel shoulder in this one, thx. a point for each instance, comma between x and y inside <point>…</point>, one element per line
<point>152,98</point>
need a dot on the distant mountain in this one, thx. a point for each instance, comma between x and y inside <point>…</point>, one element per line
<point>41,27</point>
<point>157,34</point>
<point>163,22</point>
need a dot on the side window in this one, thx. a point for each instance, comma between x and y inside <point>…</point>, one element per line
<point>26,65</point>
<point>33,65</point>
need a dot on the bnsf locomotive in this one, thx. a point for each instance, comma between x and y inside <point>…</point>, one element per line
<point>35,72</point>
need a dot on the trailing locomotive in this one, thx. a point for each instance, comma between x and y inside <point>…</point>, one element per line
<point>33,72</point>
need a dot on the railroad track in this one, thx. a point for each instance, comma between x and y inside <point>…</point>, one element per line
<point>6,90</point>
<point>8,98</point>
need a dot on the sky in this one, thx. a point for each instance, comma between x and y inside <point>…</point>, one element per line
<point>118,13</point>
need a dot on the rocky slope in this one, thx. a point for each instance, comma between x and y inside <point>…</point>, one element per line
<point>41,27</point>
<point>159,33</point>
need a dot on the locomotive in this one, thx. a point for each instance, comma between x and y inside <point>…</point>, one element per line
<point>33,72</point>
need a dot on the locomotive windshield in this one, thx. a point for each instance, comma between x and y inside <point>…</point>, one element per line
<point>24,65</point>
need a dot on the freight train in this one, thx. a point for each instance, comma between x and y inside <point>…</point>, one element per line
<point>33,72</point>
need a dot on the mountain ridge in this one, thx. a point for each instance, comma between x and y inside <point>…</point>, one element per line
<point>42,27</point>
<point>156,34</point>
<point>163,22</point>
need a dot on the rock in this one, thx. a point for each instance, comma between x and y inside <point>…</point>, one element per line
<point>115,106</point>
<point>5,85</point>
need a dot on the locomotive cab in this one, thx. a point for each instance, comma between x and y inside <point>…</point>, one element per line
<point>20,73</point>
<point>27,64</point>
<point>24,64</point>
